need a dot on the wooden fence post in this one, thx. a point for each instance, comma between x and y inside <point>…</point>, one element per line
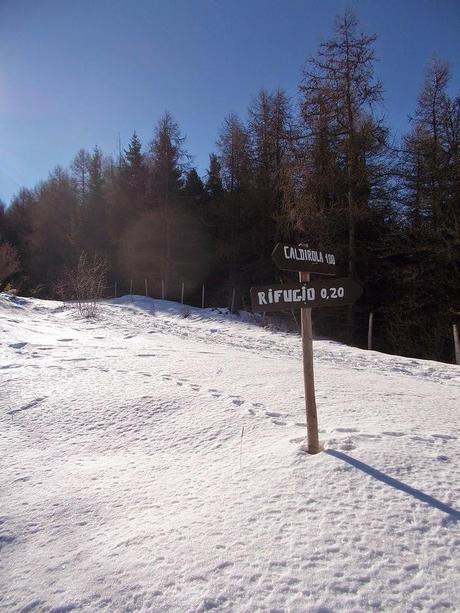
<point>182,293</point>
<point>232,308</point>
<point>456,344</point>
<point>369,331</point>
<point>202,297</point>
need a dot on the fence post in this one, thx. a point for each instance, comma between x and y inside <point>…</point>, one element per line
<point>456,344</point>
<point>115,289</point>
<point>202,297</point>
<point>162,289</point>
<point>146,287</point>
<point>131,289</point>
<point>232,308</point>
<point>369,331</point>
<point>182,293</point>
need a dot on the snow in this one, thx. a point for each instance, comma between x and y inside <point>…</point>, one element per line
<point>152,461</point>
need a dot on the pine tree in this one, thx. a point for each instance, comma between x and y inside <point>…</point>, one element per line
<point>94,219</point>
<point>168,161</point>
<point>194,192</point>
<point>214,187</point>
<point>134,176</point>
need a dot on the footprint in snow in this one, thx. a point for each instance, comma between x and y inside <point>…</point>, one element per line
<point>30,405</point>
<point>347,445</point>
<point>18,345</point>
<point>391,433</point>
<point>238,402</point>
<point>444,437</point>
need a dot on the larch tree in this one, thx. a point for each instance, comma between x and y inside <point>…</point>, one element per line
<point>80,172</point>
<point>426,281</point>
<point>339,94</point>
<point>269,127</point>
<point>235,162</point>
<point>52,239</point>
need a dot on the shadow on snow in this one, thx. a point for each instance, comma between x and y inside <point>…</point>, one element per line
<point>399,485</point>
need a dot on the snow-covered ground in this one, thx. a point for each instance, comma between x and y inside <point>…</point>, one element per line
<point>128,483</point>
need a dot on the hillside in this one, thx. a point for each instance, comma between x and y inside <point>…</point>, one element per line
<point>153,462</point>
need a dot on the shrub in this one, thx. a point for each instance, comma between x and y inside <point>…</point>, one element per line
<point>84,285</point>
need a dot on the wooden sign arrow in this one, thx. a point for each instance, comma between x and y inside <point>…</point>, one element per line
<point>304,259</point>
<point>318,293</point>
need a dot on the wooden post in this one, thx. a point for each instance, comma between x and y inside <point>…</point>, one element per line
<point>369,331</point>
<point>182,293</point>
<point>202,297</point>
<point>146,287</point>
<point>115,289</point>
<point>308,375</point>
<point>232,308</point>
<point>131,289</point>
<point>162,289</point>
<point>456,344</point>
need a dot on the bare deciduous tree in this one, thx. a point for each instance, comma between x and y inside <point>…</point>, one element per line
<point>9,262</point>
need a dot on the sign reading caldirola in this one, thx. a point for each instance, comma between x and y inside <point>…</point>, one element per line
<point>305,259</point>
<point>321,293</point>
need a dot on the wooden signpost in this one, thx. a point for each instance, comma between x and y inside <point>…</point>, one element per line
<point>306,295</point>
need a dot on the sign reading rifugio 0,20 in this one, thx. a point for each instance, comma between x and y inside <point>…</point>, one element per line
<point>299,258</point>
<point>318,293</point>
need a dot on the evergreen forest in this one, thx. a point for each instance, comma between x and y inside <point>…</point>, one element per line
<point>323,169</point>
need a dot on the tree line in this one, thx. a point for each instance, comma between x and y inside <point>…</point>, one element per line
<point>322,169</point>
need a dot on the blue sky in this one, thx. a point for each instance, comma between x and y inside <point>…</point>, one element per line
<point>77,73</point>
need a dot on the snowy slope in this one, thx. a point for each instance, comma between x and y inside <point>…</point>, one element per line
<point>126,483</point>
